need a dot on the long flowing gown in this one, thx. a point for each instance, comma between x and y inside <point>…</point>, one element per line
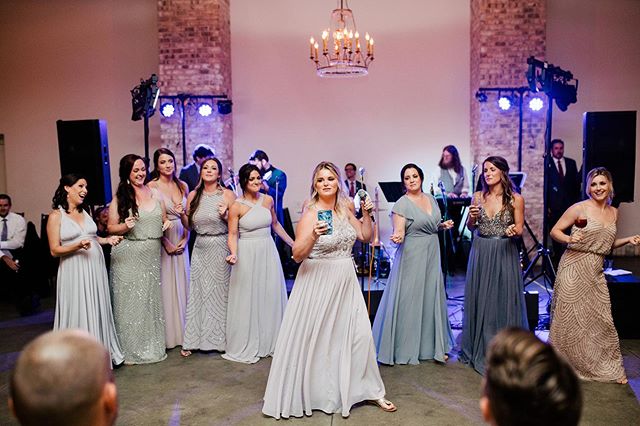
<point>137,296</point>
<point>83,299</point>
<point>325,358</point>
<point>257,291</point>
<point>582,327</point>
<point>174,275</point>
<point>209,288</point>
<point>493,292</point>
<point>412,321</point>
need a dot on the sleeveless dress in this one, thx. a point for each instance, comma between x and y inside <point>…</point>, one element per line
<point>412,321</point>
<point>493,292</point>
<point>174,275</point>
<point>257,291</point>
<point>137,295</point>
<point>209,287</point>
<point>582,328</point>
<point>325,358</point>
<point>83,300</point>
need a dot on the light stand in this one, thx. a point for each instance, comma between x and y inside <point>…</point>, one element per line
<point>143,104</point>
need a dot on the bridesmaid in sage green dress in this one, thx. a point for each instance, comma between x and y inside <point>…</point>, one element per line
<point>412,322</point>
<point>138,214</point>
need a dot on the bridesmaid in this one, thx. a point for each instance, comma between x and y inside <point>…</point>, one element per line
<point>174,270</point>
<point>412,321</point>
<point>83,300</point>
<point>138,213</point>
<point>257,291</point>
<point>206,215</point>
<point>493,293</point>
<point>582,328</point>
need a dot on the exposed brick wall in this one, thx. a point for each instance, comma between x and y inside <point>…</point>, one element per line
<point>195,58</point>
<point>504,33</point>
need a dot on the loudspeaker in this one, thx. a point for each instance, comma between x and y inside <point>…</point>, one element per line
<point>531,300</point>
<point>609,140</point>
<point>84,149</point>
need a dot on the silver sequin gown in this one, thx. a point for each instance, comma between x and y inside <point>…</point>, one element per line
<point>325,358</point>
<point>209,288</point>
<point>137,296</point>
<point>493,293</point>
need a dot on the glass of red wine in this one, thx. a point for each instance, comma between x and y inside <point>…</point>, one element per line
<point>580,222</point>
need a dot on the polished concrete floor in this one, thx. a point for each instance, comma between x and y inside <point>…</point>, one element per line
<point>205,389</point>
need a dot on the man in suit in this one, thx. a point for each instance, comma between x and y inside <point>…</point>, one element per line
<point>191,173</point>
<point>274,180</point>
<point>563,190</point>
<point>13,230</point>
<point>63,378</point>
<point>351,184</point>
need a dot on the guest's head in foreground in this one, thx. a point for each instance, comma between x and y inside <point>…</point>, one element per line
<point>527,383</point>
<point>599,185</point>
<point>63,378</point>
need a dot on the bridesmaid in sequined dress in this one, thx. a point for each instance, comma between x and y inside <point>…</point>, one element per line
<point>138,214</point>
<point>493,293</point>
<point>582,327</point>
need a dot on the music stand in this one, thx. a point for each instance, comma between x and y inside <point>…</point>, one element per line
<point>392,191</point>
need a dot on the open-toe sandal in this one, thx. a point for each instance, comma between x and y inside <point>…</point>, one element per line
<point>185,353</point>
<point>384,404</point>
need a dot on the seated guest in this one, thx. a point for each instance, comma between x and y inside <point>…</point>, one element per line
<point>191,173</point>
<point>451,173</point>
<point>528,383</point>
<point>63,378</point>
<point>13,230</point>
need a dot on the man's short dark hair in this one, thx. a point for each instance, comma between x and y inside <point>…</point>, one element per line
<point>5,197</point>
<point>555,141</point>
<point>350,165</point>
<point>202,151</point>
<point>528,383</point>
<point>259,155</point>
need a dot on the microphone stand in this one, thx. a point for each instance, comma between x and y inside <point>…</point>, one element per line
<point>445,264</point>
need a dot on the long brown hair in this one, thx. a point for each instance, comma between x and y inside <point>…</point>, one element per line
<point>125,194</point>
<point>341,199</point>
<point>155,174</point>
<point>508,189</point>
<point>195,203</point>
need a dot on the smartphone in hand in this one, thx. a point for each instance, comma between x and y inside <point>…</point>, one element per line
<point>327,217</point>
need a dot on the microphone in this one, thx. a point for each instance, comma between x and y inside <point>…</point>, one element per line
<point>474,168</point>
<point>362,195</point>
<point>361,170</point>
<point>441,186</point>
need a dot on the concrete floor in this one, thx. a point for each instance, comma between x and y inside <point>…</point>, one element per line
<point>204,389</point>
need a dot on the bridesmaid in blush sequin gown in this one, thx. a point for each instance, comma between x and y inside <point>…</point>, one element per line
<point>582,327</point>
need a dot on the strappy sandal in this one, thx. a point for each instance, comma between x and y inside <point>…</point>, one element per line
<point>622,381</point>
<point>185,353</point>
<point>384,404</point>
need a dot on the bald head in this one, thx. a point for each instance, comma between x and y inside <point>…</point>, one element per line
<point>63,377</point>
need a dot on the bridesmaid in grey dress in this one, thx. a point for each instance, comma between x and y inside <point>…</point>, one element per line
<point>206,215</point>
<point>257,291</point>
<point>412,321</point>
<point>325,358</point>
<point>174,269</point>
<point>83,300</point>
<point>138,213</point>
<point>493,294</point>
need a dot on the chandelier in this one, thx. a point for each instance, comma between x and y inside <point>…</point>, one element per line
<point>342,56</point>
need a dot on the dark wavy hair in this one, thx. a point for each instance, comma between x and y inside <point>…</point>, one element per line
<point>508,189</point>
<point>528,383</point>
<point>125,193</point>
<point>60,196</point>
<point>195,203</point>
<point>457,164</point>
<point>411,166</point>
<point>155,174</point>
<point>244,173</point>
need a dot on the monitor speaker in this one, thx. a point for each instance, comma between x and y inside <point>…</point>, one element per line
<point>84,149</point>
<point>609,140</point>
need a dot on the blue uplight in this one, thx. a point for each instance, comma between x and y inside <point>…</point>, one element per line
<point>536,104</point>
<point>167,110</point>
<point>205,110</point>
<point>504,103</point>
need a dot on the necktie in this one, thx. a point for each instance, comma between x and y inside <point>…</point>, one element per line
<point>352,189</point>
<point>560,171</point>
<point>4,236</point>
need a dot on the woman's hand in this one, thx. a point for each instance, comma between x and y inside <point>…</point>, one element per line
<point>366,204</point>
<point>635,240</point>
<point>447,224</point>
<point>232,259</point>
<point>130,222</point>
<point>84,245</point>
<point>222,209</point>
<point>180,247</point>
<point>114,240</point>
<point>397,238</point>
<point>166,225</point>
<point>320,228</point>
<point>179,208</point>
<point>474,212</point>
<point>510,231</point>
<point>575,237</point>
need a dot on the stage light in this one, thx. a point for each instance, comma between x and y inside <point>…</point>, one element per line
<point>167,110</point>
<point>205,110</point>
<point>481,96</point>
<point>224,107</point>
<point>536,104</point>
<point>504,103</point>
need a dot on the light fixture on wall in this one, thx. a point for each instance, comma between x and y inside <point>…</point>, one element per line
<point>344,54</point>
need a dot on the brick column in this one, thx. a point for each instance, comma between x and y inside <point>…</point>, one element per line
<point>195,58</point>
<point>504,33</point>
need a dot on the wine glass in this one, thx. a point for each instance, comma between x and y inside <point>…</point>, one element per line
<point>581,221</point>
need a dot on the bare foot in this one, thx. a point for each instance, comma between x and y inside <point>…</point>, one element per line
<point>622,381</point>
<point>185,353</point>
<point>384,404</point>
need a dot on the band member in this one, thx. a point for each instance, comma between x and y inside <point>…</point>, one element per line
<point>452,174</point>
<point>191,173</point>
<point>274,180</point>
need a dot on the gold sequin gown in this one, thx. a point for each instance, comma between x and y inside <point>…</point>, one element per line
<point>582,327</point>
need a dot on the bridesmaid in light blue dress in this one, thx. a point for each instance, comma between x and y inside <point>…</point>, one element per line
<point>412,322</point>
<point>138,214</point>
<point>257,291</point>
<point>83,300</point>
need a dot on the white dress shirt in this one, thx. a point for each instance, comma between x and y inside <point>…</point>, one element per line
<point>564,165</point>
<point>17,229</point>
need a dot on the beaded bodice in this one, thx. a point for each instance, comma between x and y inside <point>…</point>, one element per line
<point>338,244</point>
<point>206,219</point>
<point>494,226</point>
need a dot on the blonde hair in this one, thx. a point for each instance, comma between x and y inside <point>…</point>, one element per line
<point>600,171</point>
<point>341,202</point>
